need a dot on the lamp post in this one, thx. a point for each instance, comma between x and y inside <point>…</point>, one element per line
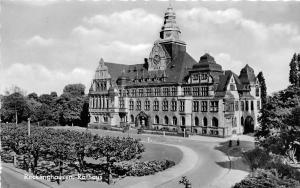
<point>29,126</point>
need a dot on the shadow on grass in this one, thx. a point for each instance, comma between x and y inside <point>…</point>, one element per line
<point>236,160</point>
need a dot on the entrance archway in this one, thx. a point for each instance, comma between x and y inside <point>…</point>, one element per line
<point>248,125</point>
<point>142,120</point>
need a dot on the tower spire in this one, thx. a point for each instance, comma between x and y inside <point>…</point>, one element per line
<point>170,29</point>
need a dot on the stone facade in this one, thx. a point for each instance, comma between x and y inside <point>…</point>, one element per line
<point>171,91</point>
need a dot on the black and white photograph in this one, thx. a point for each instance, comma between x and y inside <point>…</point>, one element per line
<point>149,94</point>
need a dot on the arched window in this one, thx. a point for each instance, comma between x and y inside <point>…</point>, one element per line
<point>132,119</point>
<point>215,122</point>
<point>174,120</point>
<point>96,119</point>
<point>156,120</point>
<point>182,120</point>
<point>205,121</point>
<point>196,121</point>
<point>242,120</point>
<point>166,120</point>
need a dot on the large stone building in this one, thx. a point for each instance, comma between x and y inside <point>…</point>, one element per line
<point>171,91</point>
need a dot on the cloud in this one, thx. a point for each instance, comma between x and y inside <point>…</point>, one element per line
<point>40,41</point>
<point>39,2</point>
<point>40,79</point>
<point>236,40</point>
<point>129,34</point>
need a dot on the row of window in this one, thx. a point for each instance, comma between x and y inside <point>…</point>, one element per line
<point>165,91</point>
<point>244,106</point>
<point>99,102</point>
<point>165,105</point>
<point>215,122</point>
<point>214,106</point>
<point>195,91</point>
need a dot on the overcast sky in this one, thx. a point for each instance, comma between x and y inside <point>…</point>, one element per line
<point>48,44</point>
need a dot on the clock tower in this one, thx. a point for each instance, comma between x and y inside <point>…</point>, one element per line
<point>169,45</point>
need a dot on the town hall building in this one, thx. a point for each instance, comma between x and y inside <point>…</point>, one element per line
<point>172,92</point>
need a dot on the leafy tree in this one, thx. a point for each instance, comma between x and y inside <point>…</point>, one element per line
<point>33,96</point>
<point>46,99</point>
<point>293,77</point>
<point>14,108</point>
<point>53,94</point>
<point>84,115</point>
<point>33,107</point>
<point>74,89</point>
<point>14,89</point>
<point>116,149</point>
<point>263,88</point>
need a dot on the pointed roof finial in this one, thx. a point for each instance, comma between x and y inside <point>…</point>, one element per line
<point>101,62</point>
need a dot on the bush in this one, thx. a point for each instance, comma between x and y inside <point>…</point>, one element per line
<point>257,158</point>
<point>48,123</point>
<point>266,179</point>
<point>131,168</point>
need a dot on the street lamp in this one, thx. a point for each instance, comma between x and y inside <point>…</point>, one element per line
<point>29,126</point>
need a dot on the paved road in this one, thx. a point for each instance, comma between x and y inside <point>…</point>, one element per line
<point>12,179</point>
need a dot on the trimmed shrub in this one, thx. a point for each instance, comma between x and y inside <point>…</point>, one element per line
<point>131,168</point>
<point>266,179</point>
<point>48,123</point>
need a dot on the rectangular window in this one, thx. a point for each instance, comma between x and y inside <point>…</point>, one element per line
<point>236,106</point>
<point>195,77</point>
<point>165,91</point>
<point>195,106</point>
<point>138,105</point>
<point>252,105</point>
<point>258,105</point>
<point>229,106</point>
<point>140,92</point>
<point>120,92</point>
<point>257,91</point>
<point>247,105</point>
<point>232,87</point>
<point>186,91</point>
<point>242,106</point>
<point>174,105</point>
<point>147,105</point>
<point>182,106</point>
<point>127,92</point>
<point>131,105</point>
<point>133,92</point>
<point>196,91</point>
<point>121,103</point>
<point>156,91</point>
<point>174,91</point>
<point>203,76</point>
<point>204,91</point>
<point>214,106</point>
<point>155,106</point>
<point>165,105</point>
<point>148,92</point>
<point>204,106</point>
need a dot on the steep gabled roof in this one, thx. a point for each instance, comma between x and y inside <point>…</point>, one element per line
<point>175,72</point>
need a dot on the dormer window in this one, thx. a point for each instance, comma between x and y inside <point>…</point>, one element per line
<point>203,76</point>
<point>195,77</point>
<point>232,87</point>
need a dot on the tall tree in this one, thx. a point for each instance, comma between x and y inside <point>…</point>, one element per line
<point>263,88</point>
<point>293,77</point>
<point>75,89</point>
<point>14,108</point>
